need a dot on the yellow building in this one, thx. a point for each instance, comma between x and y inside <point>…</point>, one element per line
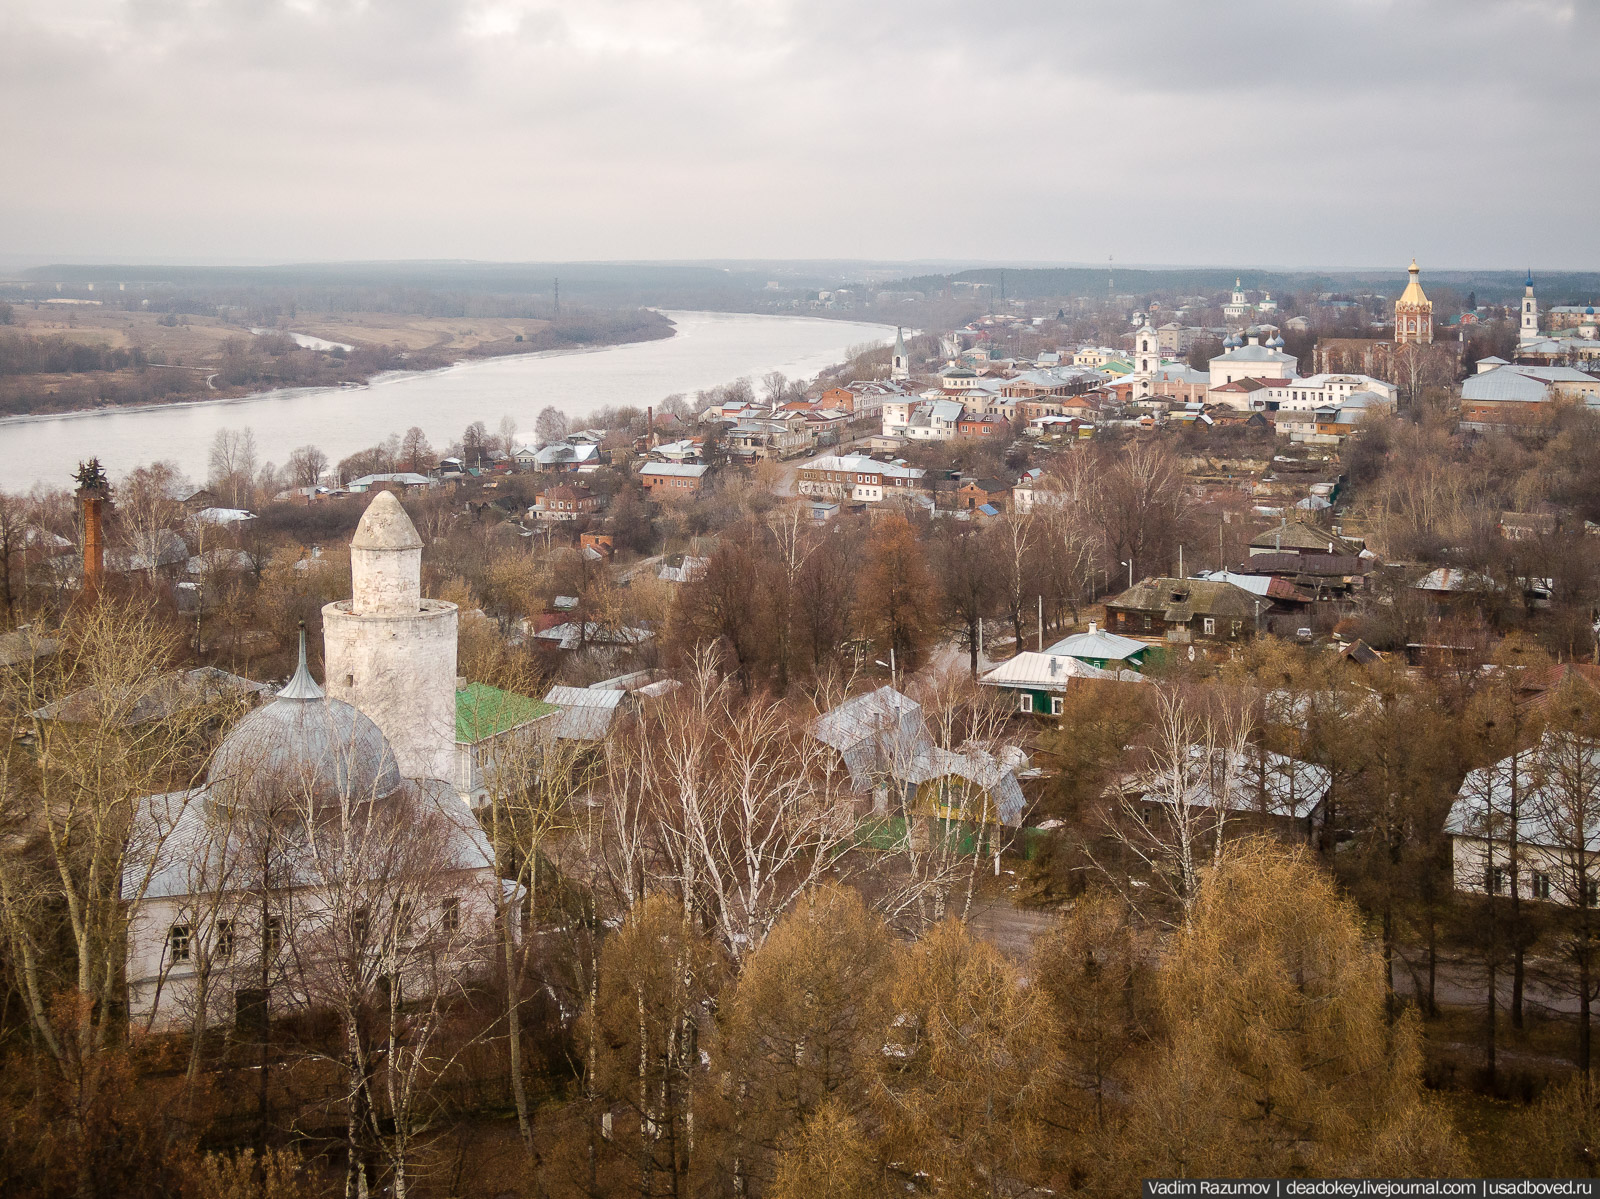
<point>1413,314</point>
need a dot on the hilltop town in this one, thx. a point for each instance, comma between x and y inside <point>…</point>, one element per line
<point>947,760</point>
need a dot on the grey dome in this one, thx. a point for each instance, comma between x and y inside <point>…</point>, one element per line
<point>294,749</point>
<point>301,746</point>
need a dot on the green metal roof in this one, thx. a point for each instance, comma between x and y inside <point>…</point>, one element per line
<point>483,711</point>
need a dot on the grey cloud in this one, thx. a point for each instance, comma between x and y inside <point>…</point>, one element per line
<point>1347,132</point>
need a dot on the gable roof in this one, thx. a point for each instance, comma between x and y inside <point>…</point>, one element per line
<point>875,733</point>
<point>1097,643</point>
<point>1302,535</point>
<point>585,712</point>
<point>1181,600</point>
<point>1259,781</point>
<point>1048,671</point>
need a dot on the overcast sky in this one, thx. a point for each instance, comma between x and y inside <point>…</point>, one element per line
<point>1325,133</point>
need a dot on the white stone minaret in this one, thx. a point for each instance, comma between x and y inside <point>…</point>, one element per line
<point>391,653</point>
<point>1146,362</point>
<point>1528,333</point>
<point>899,364</point>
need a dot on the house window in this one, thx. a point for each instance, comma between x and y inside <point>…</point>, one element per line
<point>1055,705</point>
<point>450,913</point>
<point>1541,885</point>
<point>1591,893</point>
<point>1494,880</point>
<point>178,942</point>
<point>360,925</point>
<point>1210,626</point>
<point>1025,702</point>
<point>224,941</point>
<point>1238,627</point>
<point>273,939</point>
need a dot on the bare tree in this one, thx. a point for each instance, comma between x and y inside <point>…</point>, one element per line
<point>550,426</point>
<point>745,813</point>
<point>307,465</point>
<point>72,859</point>
<point>415,450</point>
<point>232,465</point>
<point>149,510</point>
<point>1170,814</point>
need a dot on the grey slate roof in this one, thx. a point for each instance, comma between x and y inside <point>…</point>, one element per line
<point>586,713</point>
<point>1484,804</point>
<point>874,733</point>
<point>1263,781</point>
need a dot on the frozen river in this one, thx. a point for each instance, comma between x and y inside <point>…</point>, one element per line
<point>709,348</point>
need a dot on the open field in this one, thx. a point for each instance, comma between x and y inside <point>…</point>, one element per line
<point>416,332</point>
<point>199,340</point>
<point>63,358</point>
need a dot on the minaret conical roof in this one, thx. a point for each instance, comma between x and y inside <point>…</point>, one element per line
<point>385,526</point>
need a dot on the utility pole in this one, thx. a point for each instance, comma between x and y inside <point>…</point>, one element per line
<point>1041,622</point>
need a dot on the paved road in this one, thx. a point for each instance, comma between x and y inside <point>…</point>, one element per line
<point>789,472</point>
<point>1010,929</point>
<point>1464,984</point>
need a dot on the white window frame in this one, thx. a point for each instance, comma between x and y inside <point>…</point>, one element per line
<point>180,941</point>
<point>1208,625</point>
<point>1025,702</point>
<point>1055,705</point>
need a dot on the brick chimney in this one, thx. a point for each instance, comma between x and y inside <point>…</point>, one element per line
<point>92,493</point>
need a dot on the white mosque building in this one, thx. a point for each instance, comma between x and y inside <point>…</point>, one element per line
<point>329,841</point>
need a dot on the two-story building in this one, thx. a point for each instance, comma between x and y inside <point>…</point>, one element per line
<point>673,478</point>
<point>858,478</point>
<point>564,502</point>
<point>781,436</point>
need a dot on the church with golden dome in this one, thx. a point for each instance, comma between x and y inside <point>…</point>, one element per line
<point>1413,314</point>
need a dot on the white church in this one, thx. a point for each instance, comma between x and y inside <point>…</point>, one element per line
<point>329,847</point>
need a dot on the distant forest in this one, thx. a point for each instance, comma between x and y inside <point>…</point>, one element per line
<point>1491,287</point>
<point>530,289</point>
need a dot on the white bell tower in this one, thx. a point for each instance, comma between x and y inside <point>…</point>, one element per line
<point>391,653</point>
<point>1146,362</point>
<point>899,364</point>
<point>1528,333</point>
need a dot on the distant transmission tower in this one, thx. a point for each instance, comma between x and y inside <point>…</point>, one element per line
<point>1111,277</point>
<point>558,295</point>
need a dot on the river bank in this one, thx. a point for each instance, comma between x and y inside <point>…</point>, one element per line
<point>707,349</point>
<point>57,362</point>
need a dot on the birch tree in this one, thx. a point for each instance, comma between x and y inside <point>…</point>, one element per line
<point>71,857</point>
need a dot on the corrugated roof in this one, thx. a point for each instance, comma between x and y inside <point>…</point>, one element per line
<point>585,714</point>
<point>977,766</point>
<point>1042,671</point>
<point>1097,643</point>
<point>875,733</point>
<point>483,711</point>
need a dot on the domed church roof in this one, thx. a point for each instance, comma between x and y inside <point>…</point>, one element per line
<point>303,746</point>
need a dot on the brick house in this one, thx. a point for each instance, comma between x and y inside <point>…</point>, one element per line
<point>673,478</point>
<point>974,493</point>
<point>565,503</point>
<point>982,425</point>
